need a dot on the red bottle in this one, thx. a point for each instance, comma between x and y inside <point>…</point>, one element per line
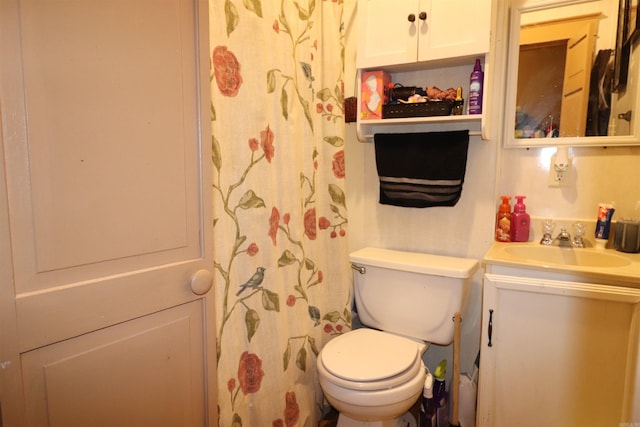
<point>503,221</point>
<point>520,221</point>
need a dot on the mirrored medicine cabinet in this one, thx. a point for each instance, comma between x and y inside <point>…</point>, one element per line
<point>572,73</point>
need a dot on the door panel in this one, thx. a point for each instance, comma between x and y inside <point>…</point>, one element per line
<point>140,367</point>
<point>106,147</point>
<point>577,79</point>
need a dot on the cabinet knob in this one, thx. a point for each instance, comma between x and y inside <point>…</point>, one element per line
<point>423,16</point>
<point>411,17</point>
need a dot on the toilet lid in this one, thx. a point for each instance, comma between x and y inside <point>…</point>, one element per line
<point>365,355</point>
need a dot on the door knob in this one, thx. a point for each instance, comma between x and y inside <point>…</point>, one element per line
<point>201,282</point>
<point>411,17</point>
<point>423,16</point>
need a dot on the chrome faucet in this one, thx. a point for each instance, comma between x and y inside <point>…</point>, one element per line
<point>563,239</point>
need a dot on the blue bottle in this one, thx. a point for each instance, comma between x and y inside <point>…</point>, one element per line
<point>440,395</point>
<point>476,82</point>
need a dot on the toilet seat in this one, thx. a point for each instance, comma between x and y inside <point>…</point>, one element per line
<point>367,359</point>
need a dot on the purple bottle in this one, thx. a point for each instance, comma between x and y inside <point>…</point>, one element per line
<point>475,89</point>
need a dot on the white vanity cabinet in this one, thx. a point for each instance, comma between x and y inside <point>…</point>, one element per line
<point>394,32</point>
<point>557,352</point>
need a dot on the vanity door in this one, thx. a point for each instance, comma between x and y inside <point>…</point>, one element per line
<point>558,353</point>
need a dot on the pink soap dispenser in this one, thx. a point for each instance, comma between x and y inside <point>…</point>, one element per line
<point>520,221</point>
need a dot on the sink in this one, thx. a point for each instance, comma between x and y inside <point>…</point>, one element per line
<point>578,257</point>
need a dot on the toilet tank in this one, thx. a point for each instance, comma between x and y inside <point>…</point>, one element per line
<point>411,294</point>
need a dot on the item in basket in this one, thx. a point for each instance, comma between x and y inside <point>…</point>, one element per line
<point>433,92</point>
<point>399,93</point>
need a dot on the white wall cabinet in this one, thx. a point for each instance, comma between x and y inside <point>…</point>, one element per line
<point>558,353</point>
<point>404,32</point>
<point>426,43</point>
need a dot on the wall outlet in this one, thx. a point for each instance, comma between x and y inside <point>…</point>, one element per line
<point>559,178</point>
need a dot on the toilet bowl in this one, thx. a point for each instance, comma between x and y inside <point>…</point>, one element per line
<point>371,377</point>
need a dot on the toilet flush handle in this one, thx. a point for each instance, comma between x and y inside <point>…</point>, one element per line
<point>360,269</point>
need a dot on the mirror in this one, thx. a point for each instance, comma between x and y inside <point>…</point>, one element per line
<point>572,74</point>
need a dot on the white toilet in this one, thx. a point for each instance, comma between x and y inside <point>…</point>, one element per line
<point>373,376</point>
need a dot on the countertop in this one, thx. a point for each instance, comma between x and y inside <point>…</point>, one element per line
<point>628,274</point>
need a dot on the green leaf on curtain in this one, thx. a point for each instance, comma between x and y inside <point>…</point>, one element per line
<point>324,95</point>
<point>286,356</point>
<point>337,195</point>
<point>254,6</point>
<point>216,155</point>
<point>237,421</point>
<point>347,315</point>
<point>287,258</point>
<point>213,113</point>
<point>302,14</point>
<point>336,141</point>
<point>271,80</point>
<point>231,15</point>
<point>339,94</point>
<point>307,112</point>
<point>250,200</point>
<point>314,314</point>
<point>284,103</point>
<point>252,321</point>
<point>270,300</point>
<point>332,317</point>
<point>301,359</point>
<point>312,344</point>
<point>309,264</point>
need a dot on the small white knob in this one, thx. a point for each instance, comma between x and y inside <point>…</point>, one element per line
<point>201,282</point>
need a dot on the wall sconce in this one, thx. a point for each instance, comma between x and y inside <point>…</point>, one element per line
<point>560,167</point>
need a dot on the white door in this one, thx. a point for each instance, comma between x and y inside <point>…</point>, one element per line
<point>105,214</point>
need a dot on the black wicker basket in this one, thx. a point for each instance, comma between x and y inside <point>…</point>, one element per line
<point>417,109</point>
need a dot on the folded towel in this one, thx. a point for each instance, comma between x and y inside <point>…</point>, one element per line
<point>421,169</point>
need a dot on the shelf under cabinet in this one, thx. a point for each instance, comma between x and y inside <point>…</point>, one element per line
<point>367,128</point>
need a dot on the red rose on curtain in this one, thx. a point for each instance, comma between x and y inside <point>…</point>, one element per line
<point>338,164</point>
<point>250,372</point>
<point>291,410</point>
<point>226,70</point>
<point>274,221</point>
<point>310,224</point>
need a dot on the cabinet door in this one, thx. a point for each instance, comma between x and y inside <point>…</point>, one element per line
<point>409,31</point>
<point>454,28</point>
<point>386,36</point>
<point>557,353</point>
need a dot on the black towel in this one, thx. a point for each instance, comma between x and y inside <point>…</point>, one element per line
<point>421,170</point>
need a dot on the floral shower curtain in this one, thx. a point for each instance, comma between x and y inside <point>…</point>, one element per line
<point>282,276</point>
